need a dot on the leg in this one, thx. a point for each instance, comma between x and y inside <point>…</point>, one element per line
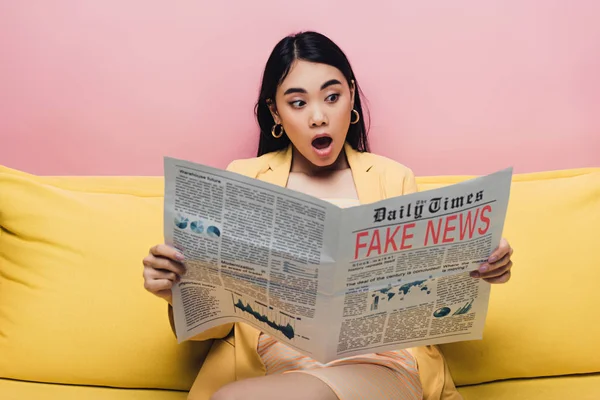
<point>369,381</point>
<point>276,387</point>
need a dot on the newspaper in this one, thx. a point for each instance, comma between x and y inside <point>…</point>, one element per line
<point>327,281</point>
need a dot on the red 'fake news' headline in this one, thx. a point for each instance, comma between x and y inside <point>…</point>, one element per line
<point>458,225</point>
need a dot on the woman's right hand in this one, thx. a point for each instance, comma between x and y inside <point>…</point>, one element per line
<point>162,268</point>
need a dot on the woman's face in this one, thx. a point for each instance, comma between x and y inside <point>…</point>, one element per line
<point>314,104</point>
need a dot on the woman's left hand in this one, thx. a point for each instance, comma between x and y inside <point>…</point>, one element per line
<point>497,268</point>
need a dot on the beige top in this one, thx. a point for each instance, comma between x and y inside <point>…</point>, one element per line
<point>343,202</point>
<point>333,185</point>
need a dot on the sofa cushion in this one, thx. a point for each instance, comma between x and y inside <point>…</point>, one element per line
<point>72,304</point>
<point>17,390</point>
<point>580,387</point>
<point>545,321</point>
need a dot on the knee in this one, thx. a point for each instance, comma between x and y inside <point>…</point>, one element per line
<point>227,392</point>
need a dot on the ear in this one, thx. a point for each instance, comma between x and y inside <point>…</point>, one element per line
<point>352,92</point>
<point>273,110</point>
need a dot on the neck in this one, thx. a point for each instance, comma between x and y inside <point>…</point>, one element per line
<point>302,165</point>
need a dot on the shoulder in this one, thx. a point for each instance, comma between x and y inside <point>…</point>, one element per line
<point>385,164</point>
<point>398,178</point>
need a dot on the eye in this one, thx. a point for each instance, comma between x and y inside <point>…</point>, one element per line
<point>333,97</point>
<point>297,103</point>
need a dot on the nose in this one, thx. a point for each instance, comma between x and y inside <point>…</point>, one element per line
<point>318,117</point>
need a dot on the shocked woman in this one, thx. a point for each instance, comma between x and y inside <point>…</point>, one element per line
<point>313,139</point>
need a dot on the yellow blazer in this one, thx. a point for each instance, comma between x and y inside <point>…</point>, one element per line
<point>233,355</point>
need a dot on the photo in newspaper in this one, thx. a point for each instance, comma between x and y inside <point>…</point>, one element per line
<point>331,282</point>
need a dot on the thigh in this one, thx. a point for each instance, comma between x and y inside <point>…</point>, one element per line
<point>361,381</point>
<point>276,387</point>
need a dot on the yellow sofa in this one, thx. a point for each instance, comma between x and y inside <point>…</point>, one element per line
<point>75,321</point>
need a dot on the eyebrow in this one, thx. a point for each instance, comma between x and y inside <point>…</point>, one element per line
<point>323,86</point>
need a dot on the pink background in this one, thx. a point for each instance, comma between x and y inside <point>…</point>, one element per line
<point>460,87</point>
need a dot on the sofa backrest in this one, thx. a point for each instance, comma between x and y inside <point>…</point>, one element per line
<point>73,308</point>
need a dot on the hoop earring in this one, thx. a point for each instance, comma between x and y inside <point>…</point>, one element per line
<point>281,131</point>
<point>357,117</point>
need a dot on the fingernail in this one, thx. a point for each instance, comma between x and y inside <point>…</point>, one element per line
<point>483,268</point>
<point>492,259</point>
<point>179,256</point>
<point>474,274</point>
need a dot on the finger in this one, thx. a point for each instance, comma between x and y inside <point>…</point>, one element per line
<point>157,285</point>
<point>162,250</point>
<point>502,249</point>
<point>154,274</point>
<point>487,267</point>
<point>165,294</point>
<point>496,272</point>
<point>505,277</point>
<point>164,264</point>
<point>169,265</point>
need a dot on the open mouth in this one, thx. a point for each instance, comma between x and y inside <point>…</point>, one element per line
<point>322,142</point>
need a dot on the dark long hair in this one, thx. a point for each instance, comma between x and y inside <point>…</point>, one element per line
<point>308,46</point>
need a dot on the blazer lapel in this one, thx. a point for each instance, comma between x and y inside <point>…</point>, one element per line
<point>277,168</point>
<point>366,179</point>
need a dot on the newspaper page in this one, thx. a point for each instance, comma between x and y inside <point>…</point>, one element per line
<point>402,268</point>
<point>331,282</point>
<point>255,253</point>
